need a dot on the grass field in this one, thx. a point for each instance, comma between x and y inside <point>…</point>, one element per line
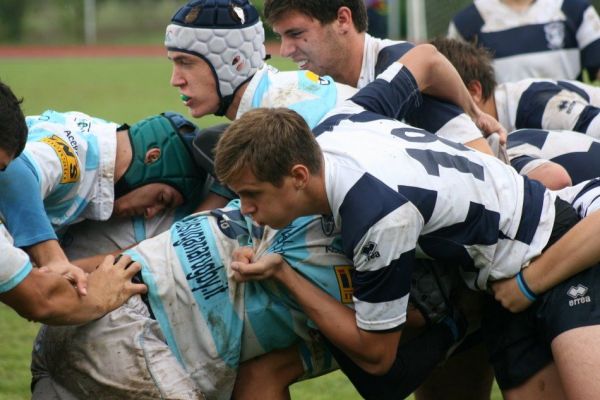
<point>121,90</point>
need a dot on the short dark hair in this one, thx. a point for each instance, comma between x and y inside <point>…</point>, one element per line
<point>13,129</point>
<point>323,11</point>
<point>269,141</point>
<point>473,62</point>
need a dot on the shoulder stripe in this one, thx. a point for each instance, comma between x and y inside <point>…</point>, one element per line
<point>368,201</point>
<point>532,104</point>
<point>385,284</point>
<point>468,22</point>
<point>533,200</point>
<point>391,54</point>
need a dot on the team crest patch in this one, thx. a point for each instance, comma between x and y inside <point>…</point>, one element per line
<point>68,159</point>
<point>343,274</point>
<point>327,225</point>
<point>555,35</point>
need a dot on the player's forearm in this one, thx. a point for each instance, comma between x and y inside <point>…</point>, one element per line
<point>51,299</point>
<point>553,267</point>
<point>47,252</point>
<point>437,77</point>
<point>374,352</point>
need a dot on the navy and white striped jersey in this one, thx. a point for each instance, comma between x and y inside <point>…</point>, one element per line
<point>578,154</point>
<point>398,193</point>
<point>444,119</point>
<point>547,104</point>
<point>551,39</point>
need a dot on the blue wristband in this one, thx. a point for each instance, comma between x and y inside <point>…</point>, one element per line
<point>524,288</point>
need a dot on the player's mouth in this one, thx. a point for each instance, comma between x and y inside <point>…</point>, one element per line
<point>302,64</point>
<point>185,98</point>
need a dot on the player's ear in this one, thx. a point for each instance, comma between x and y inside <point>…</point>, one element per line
<point>152,155</point>
<point>476,91</point>
<point>344,19</point>
<point>300,175</point>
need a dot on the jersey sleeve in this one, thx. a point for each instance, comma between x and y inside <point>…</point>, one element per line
<point>15,265</point>
<point>21,205</point>
<point>394,93</point>
<point>380,230</point>
<point>444,119</point>
<point>588,33</point>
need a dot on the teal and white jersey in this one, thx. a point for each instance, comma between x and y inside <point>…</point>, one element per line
<point>73,157</point>
<point>212,323</point>
<point>305,92</point>
<point>14,262</point>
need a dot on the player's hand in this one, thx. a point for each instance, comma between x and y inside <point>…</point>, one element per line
<point>488,125</point>
<point>243,254</point>
<point>72,273</point>
<point>507,292</point>
<point>265,267</point>
<point>110,284</point>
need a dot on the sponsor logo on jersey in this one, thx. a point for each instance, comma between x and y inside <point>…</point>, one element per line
<point>343,274</point>
<point>327,225</point>
<point>316,78</point>
<point>370,250</point>
<point>578,295</point>
<point>68,159</point>
<point>555,35</point>
<point>206,275</point>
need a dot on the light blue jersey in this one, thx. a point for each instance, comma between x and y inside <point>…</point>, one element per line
<point>73,155</point>
<point>213,323</point>
<point>14,264</point>
<point>67,169</point>
<point>308,94</point>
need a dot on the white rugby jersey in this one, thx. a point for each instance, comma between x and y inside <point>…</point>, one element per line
<point>14,263</point>
<point>305,92</point>
<point>584,197</point>
<point>550,39</point>
<point>73,155</point>
<point>444,119</point>
<point>548,104</point>
<point>397,192</point>
<point>578,154</point>
<point>213,323</point>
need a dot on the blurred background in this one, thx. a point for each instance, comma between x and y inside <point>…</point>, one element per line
<point>105,74</point>
<point>58,22</point>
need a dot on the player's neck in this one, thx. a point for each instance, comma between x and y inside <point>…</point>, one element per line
<point>235,102</point>
<point>317,192</point>
<point>489,106</point>
<point>124,154</point>
<point>349,72</point>
<point>518,5</point>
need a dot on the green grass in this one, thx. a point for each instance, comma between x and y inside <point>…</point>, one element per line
<point>121,90</point>
<point>15,349</point>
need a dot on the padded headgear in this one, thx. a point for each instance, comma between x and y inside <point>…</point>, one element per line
<point>204,145</point>
<point>227,34</point>
<point>172,134</point>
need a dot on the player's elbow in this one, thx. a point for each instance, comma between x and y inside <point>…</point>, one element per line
<point>551,175</point>
<point>379,366</point>
<point>38,310</point>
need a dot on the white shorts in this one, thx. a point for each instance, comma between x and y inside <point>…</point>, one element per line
<point>122,355</point>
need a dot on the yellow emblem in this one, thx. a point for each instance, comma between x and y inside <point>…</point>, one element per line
<point>68,159</point>
<point>344,278</point>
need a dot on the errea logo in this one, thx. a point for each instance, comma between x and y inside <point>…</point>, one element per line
<point>370,250</point>
<point>578,295</point>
